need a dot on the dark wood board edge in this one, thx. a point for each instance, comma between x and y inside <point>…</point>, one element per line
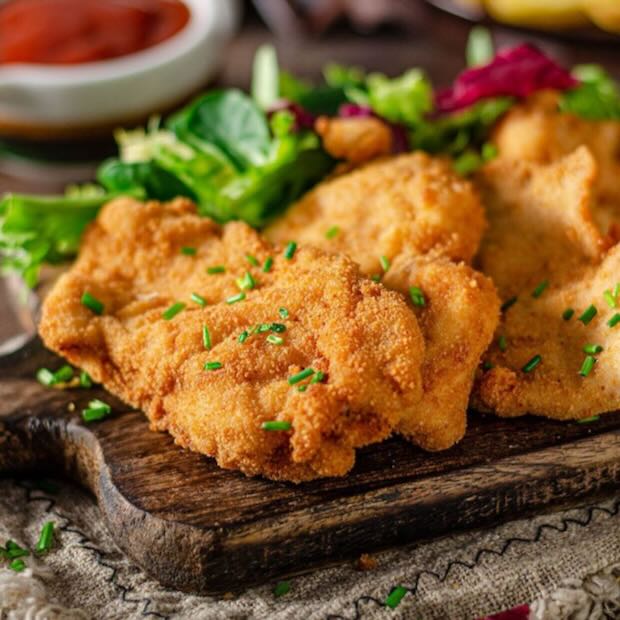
<point>217,560</point>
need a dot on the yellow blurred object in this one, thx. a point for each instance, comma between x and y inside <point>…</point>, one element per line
<point>550,14</point>
<point>604,13</point>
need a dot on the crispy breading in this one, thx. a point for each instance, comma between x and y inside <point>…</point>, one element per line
<point>458,321</point>
<point>534,326</point>
<point>356,139</point>
<point>544,249</point>
<point>411,203</point>
<point>537,131</point>
<point>418,213</point>
<point>362,336</point>
<point>540,221</point>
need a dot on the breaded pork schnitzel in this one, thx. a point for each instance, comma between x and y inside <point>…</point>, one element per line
<point>570,329</point>
<point>459,315</point>
<point>411,203</point>
<point>538,131</point>
<point>300,340</point>
<point>408,216</point>
<point>540,221</point>
<point>557,348</point>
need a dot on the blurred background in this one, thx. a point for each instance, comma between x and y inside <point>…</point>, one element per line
<point>385,35</point>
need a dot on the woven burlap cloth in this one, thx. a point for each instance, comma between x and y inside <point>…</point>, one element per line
<point>566,555</point>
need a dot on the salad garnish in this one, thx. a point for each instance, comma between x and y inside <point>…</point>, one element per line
<point>247,157</point>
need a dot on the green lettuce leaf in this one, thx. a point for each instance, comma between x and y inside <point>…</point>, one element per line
<point>596,98</point>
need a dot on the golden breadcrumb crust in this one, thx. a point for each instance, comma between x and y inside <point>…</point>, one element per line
<point>538,131</point>
<point>411,203</point>
<point>544,251</point>
<point>356,140</point>
<point>416,212</point>
<point>458,320</point>
<point>362,336</point>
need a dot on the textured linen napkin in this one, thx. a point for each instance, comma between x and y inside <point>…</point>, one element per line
<point>566,564</point>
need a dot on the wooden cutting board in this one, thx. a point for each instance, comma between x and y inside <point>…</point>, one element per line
<point>195,527</point>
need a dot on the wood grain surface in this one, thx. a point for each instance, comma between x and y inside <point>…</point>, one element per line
<point>198,528</point>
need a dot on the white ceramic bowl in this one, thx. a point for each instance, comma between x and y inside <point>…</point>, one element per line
<point>61,99</point>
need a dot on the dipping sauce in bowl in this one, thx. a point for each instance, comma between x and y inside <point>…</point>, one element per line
<point>67,32</point>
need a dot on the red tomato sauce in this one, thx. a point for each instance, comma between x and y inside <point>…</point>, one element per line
<point>66,32</point>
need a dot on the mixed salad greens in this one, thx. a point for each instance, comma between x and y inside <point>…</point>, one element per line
<point>248,157</point>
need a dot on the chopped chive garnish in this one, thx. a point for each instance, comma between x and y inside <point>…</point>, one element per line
<point>243,336</point>
<point>508,303</point>
<point>261,328</point>
<point>247,282</point>
<point>417,296</point>
<point>46,377</point>
<point>532,363</point>
<point>188,251</point>
<point>273,339</point>
<point>276,425</point>
<point>594,418</point>
<point>63,374</point>
<point>567,315</point>
<point>206,338</point>
<point>85,380</point>
<point>267,264</point>
<point>609,298</point>
<point>615,319</point>
<point>395,597</point>
<point>92,303</point>
<point>538,291</point>
<point>502,343</point>
<point>375,278</point>
<point>216,269</point>
<point>252,260</point>
<point>290,250</point>
<point>302,388</point>
<point>174,309</point>
<point>282,588</point>
<point>588,314</point>
<point>235,298</point>
<point>385,262</point>
<point>213,365</point>
<point>46,538</point>
<point>96,410</point>
<point>278,328</point>
<point>486,365</point>
<point>13,550</point>
<point>300,376</point>
<point>592,349</point>
<point>17,565</point>
<point>198,299</point>
<point>318,377</point>
<point>283,312</point>
<point>617,290</point>
<point>489,151</point>
<point>587,366</point>
<point>332,232</point>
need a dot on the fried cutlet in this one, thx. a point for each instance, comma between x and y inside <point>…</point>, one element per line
<point>213,390</point>
<point>411,203</point>
<point>410,215</point>
<point>538,131</point>
<point>556,328</point>
<point>557,347</point>
<point>458,318</point>
<point>540,221</point>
